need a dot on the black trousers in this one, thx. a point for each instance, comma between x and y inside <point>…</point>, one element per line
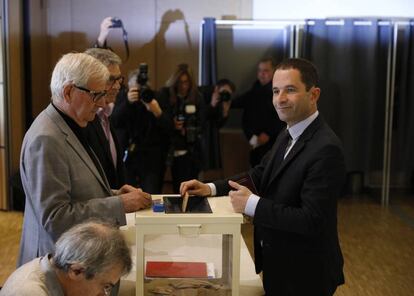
<point>287,276</point>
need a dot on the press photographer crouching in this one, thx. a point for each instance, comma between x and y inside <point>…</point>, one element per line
<point>147,127</point>
<point>187,111</point>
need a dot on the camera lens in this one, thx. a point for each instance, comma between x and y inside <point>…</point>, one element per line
<point>142,78</point>
<point>146,94</point>
<point>224,96</point>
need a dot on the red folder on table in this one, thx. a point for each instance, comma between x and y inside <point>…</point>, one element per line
<point>171,269</point>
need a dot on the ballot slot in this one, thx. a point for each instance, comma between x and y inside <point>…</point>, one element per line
<point>173,204</point>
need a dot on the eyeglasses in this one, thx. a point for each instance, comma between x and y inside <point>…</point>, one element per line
<point>95,95</point>
<point>114,79</point>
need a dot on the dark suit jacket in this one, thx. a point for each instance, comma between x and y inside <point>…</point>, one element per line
<point>100,145</point>
<point>296,238</point>
<point>210,141</point>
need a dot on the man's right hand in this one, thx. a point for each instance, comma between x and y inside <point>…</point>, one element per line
<point>136,200</point>
<point>133,94</point>
<point>153,107</point>
<point>103,33</point>
<point>195,187</point>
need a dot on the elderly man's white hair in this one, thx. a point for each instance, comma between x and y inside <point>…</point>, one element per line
<point>76,68</point>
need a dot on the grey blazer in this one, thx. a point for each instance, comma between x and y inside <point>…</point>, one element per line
<point>62,186</point>
<point>36,277</point>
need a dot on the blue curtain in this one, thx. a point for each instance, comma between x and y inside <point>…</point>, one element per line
<point>402,151</point>
<point>352,61</point>
<point>208,52</point>
<point>210,142</point>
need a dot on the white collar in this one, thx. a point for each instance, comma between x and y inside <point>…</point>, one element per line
<point>297,129</point>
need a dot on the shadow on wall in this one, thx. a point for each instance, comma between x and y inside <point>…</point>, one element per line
<point>162,59</point>
<point>43,61</point>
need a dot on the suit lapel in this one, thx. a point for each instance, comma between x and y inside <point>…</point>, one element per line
<point>102,138</point>
<point>296,149</point>
<point>119,152</point>
<point>76,145</point>
<point>269,167</point>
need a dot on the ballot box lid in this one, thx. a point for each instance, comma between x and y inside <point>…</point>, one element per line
<point>222,212</point>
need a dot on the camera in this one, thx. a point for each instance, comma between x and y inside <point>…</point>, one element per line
<point>224,96</point>
<point>116,23</point>
<point>188,114</point>
<point>145,92</point>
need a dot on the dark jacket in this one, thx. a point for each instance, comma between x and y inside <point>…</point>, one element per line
<point>191,139</point>
<point>100,145</point>
<point>211,151</point>
<point>259,114</point>
<point>296,237</point>
<point>141,127</point>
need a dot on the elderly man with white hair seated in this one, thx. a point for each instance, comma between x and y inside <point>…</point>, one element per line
<point>89,259</point>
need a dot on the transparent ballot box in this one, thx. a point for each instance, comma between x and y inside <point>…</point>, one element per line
<point>188,253</point>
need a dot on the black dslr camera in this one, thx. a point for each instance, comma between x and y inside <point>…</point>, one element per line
<point>224,96</point>
<point>145,92</point>
<point>116,23</point>
<point>188,114</point>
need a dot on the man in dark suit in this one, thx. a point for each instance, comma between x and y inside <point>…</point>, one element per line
<point>260,122</point>
<point>100,133</point>
<point>298,182</point>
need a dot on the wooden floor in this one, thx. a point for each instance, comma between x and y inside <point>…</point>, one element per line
<point>10,231</point>
<point>378,246</point>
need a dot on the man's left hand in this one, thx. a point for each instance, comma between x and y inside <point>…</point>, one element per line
<point>126,189</point>
<point>239,196</point>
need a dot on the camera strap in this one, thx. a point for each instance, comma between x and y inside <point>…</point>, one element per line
<point>125,37</point>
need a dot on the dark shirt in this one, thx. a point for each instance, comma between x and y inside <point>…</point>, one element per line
<point>178,140</point>
<point>80,133</point>
<point>134,124</point>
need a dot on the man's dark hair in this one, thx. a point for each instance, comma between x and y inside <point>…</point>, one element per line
<point>268,60</point>
<point>228,82</point>
<point>307,70</point>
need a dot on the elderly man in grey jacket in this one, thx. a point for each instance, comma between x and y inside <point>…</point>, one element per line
<point>62,178</point>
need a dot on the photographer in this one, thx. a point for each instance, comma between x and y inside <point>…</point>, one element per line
<point>218,101</point>
<point>188,116</point>
<point>147,125</point>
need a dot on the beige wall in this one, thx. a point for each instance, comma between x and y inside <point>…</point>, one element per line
<point>162,33</point>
